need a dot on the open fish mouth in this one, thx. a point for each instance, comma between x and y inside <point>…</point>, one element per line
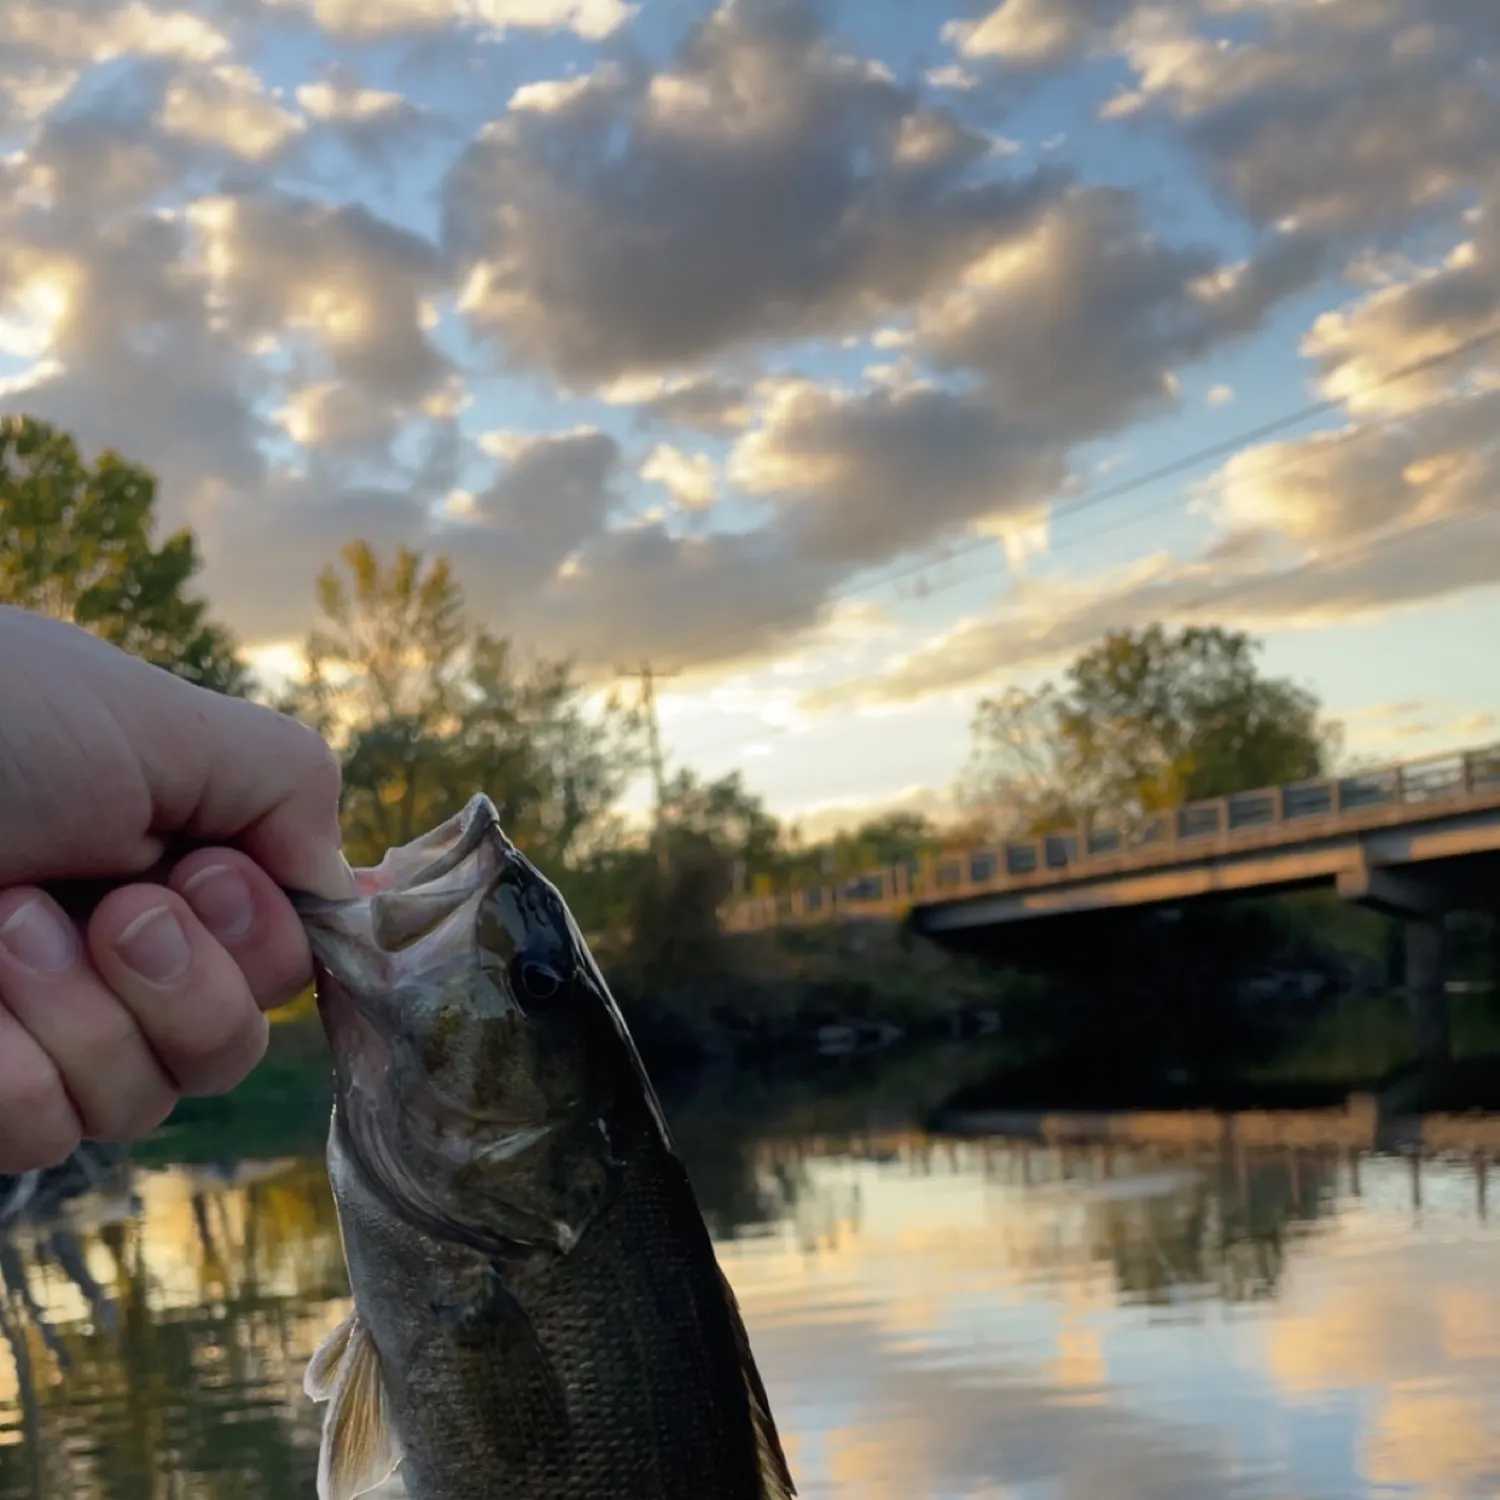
<point>423,862</point>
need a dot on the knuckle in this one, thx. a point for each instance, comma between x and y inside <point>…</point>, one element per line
<point>141,1118</point>
<point>38,1127</point>
<point>280,986</point>
<point>213,1059</point>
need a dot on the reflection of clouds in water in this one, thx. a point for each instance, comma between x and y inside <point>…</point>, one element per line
<point>870,1424</point>
<point>945,1320</point>
<point>981,1336</point>
<point>1436,1443</point>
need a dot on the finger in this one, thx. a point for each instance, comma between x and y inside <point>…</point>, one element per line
<point>115,1085</point>
<point>236,772</point>
<point>186,993</point>
<point>38,1125</point>
<point>245,911</point>
<point>215,768</point>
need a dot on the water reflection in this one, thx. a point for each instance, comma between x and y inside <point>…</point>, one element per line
<point>934,1318</point>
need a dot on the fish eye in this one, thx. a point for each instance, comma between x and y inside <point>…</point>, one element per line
<point>537,979</point>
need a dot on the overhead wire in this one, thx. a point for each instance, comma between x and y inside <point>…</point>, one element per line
<point>1216,592</point>
<point>1220,448</point>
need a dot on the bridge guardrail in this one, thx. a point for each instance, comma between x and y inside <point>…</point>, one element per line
<point>892,891</point>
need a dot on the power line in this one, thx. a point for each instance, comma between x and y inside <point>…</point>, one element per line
<point>1217,593</point>
<point>1222,448</point>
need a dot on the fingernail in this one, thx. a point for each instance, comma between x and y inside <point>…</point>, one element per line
<point>38,939</point>
<point>221,900</point>
<point>155,947</point>
<point>336,880</point>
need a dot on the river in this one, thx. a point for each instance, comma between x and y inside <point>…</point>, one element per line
<point>934,1318</point>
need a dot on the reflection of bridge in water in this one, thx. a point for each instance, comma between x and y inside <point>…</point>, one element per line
<point>1416,840</point>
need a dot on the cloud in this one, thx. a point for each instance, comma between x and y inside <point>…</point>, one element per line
<point>692,479</point>
<point>1395,508</point>
<point>763,185</point>
<point>348,283</point>
<point>1044,622</point>
<point>554,495</point>
<point>47,45</point>
<point>1219,395</point>
<point>264,553</point>
<point>228,107</point>
<point>709,235</point>
<point>1347,116</point>
<point>363,20</point>
<point>1077,324</point>
<point>860,478</point>
<point>372,125</point>
<point>629,592</point>
<point>1357,349</point>
<point>704,403</point>
<point>130,354</point>
<point>1037,33</point>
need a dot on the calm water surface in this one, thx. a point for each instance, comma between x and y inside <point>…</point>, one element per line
<point>933,1319</point>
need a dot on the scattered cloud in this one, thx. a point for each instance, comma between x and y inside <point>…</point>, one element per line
<point>1036,33</point>
<point>860,478</point>
<point>761,185</point>
<point>703,403</point>
<point>1078,324</point>
<point>592,306</point>
<point>1045,621</point>
<point>1345,116</point>
<point>692,479</point>
<point>364,20</point>
<point>228,107</point>
<point>351,281</point>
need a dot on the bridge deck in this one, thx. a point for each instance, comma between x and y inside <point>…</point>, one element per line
<point>1274,819</point>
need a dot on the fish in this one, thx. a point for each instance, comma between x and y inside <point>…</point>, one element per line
<point>537,1311</point>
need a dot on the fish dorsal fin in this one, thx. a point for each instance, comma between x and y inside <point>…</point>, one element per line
<point>359,1448</point>
<point>775,1475</point>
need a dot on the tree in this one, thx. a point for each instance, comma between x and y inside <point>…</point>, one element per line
<point>1145,720</point>
<point>726,813</point>
<point>707,828</point>
<point>75,543</point>
<point>426,711</point>
<point>1025,774</point>
<point>893,838</point>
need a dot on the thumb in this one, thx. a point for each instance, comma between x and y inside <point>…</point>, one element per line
<point>225,770</point>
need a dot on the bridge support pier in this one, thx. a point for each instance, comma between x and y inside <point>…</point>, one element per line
<point>1426,988</point>
<point>1422,906</point>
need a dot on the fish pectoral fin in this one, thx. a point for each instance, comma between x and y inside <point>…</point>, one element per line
<point>323,1368</point>
<point>360,1449</point>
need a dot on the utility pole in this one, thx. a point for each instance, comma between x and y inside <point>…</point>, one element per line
<point>647,677</point>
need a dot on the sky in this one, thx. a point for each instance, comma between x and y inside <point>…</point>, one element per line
<point>845,362</point>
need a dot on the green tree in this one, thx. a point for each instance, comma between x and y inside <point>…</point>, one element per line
<point>726,813</point>
<point>1145,720</point>
<point>707,830</point>
<point>427,710</point>
<point>76,544</point>
<point>893,838</point>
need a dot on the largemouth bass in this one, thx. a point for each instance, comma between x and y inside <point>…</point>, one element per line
<point>537,1310</point>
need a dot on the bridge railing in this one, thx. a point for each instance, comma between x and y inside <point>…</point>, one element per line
<point>893,890</point>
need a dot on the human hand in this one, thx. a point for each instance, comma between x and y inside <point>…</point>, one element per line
<point>105,764</point>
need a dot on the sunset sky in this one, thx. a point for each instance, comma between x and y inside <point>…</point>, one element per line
<point>822,353</point>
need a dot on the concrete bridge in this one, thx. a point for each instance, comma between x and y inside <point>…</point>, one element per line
<point>1415,840</point>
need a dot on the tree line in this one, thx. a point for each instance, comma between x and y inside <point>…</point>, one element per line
<point>424,706</point>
